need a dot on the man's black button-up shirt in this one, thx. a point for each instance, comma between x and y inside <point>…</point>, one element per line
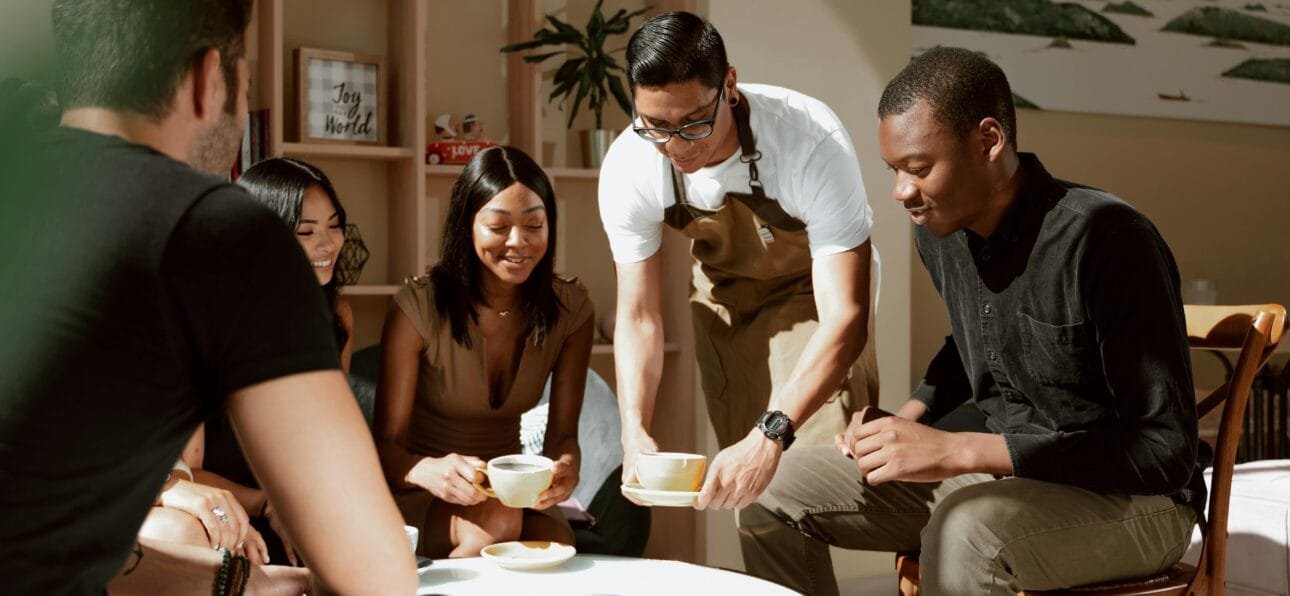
<point>1068,331</point>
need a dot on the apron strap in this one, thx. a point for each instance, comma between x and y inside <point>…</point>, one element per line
<point>680,213</point>
<point>766,208</point>
<point>748,147</point>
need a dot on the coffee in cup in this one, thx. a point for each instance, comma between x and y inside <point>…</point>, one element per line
<point>517,480</point>
<point>679,472</point>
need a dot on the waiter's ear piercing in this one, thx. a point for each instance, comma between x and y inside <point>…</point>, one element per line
<point>734,101</point>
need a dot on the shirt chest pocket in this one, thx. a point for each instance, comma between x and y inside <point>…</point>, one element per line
<point>1056,354</point>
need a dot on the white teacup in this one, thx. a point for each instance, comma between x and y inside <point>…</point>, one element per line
<point>680,472</point>
<point>413,534</point>
<point>517,480</point>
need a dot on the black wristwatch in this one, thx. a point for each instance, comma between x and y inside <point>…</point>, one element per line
<point>777,427</point>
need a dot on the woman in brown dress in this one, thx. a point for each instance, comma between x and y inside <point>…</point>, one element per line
<point>468,348</point>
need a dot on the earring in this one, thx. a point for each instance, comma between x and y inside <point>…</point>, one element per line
<point>734,101</point>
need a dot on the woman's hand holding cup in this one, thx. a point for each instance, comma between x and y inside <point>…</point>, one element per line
<point>450,478</point>
<point>564,480</point>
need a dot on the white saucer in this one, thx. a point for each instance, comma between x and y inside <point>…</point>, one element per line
<point>528,555</point>
<point>660,498</point>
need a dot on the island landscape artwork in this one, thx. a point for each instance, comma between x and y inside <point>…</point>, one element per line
<point>1221,60</point>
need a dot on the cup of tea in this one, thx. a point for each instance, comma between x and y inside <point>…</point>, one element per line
<point>413,534</point>
<point>679,472</point>
<point>516,480</point>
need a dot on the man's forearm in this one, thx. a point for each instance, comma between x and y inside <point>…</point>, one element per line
<point>305,438</point>
<point>829,355</point>
<point>638,362</point>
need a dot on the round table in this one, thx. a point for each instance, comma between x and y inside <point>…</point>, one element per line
<point>589,574</point>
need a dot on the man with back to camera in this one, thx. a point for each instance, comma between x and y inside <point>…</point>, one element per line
<point>766,182</point>
<point>139,295</point>
<point>1068,334</point>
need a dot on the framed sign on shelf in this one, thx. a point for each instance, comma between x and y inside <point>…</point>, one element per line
<point>340,97</point>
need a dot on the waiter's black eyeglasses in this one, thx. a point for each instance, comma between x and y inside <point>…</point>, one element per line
<point>690,132</point>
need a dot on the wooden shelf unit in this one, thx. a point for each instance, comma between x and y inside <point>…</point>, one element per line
<point>398,202</point>
<point>370,290</point>
<point>307,150</point>
<point>553,173</point>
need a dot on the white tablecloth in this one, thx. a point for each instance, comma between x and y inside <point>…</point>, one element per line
<point>590,574</point>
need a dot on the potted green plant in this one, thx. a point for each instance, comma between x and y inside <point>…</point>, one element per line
<point>589,72</point>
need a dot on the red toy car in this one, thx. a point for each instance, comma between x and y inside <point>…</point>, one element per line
<point>454,152</point>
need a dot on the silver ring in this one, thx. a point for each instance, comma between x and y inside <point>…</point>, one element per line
<point>219,512</point>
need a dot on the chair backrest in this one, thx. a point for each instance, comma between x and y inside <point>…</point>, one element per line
<point>1255,330</point>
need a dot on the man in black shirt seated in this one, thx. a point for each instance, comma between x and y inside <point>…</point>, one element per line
<point>1067,333</point>
<point>138,295</point>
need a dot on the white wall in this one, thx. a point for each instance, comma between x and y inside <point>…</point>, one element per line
<point>26,38</point>
<point>842,52</point>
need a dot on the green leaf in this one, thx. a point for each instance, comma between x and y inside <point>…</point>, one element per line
<point>535,58</point>
<point>564,89</point>
<point>620,21</point>
<point>526,45</point>
<point>584,86</point>
<point>568,70</point>
<point>596,22</point>
<point>617,15</point>
<point>563,28</point>
<point>620,94</point>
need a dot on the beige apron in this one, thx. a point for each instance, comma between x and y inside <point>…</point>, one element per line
<point>753,307</point>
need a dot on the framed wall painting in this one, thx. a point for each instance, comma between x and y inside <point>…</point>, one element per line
<point>1216,60</point>
<point>341,97</point>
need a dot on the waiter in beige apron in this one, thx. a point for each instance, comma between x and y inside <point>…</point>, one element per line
<point>766,183</point>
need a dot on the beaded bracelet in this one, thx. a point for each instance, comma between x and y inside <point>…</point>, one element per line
<point>221,578</point>
<point>240,572</point>
<point>246,574</point>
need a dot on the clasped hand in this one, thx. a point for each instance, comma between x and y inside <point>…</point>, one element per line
<point>226,523</point>
<point>895,449</point>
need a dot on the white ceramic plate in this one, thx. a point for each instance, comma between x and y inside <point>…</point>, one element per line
<point>528,555</point>
<point>660,498</point>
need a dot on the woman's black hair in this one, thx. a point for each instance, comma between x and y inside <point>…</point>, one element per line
<point>280,183</point>
<point>456,277</point>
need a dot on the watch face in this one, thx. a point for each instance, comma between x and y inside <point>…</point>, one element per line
<point>777,424</point>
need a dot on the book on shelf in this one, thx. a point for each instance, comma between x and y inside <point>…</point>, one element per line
<point>255,143</point>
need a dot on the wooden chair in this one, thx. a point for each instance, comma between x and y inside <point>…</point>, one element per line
<point>1255,330</point>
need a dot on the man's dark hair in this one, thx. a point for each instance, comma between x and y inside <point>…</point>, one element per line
<point>133,54</point>
<point>676,47</point>
<point>961,87</point>
<point>457,289</point>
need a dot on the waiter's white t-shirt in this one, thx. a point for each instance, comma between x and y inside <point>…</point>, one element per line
<point>807,163</point>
